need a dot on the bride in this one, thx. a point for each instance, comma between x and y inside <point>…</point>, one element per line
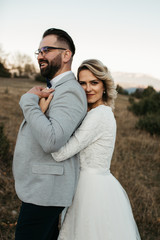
<point>100,209</point>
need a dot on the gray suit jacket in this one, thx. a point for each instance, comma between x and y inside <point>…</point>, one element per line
<point>38,178</point>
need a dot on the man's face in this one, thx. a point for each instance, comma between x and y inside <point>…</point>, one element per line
<point>50,61</point>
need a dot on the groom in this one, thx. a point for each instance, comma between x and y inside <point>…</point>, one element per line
<point>45,186</point>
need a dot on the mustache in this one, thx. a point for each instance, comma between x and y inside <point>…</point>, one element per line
<point>42,61</point>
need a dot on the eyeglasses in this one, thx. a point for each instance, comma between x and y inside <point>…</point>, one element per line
<point>46,49</point>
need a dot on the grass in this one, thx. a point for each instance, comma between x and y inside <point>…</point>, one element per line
<point>135,162</point>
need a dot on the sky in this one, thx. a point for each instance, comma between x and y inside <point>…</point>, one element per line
<point>123,34</point>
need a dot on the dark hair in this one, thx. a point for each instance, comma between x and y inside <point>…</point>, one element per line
<point>61,36</point>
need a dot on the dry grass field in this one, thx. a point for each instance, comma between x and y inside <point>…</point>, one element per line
<point>136,163</point>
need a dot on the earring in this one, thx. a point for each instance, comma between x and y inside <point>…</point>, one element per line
<point>104,92</point>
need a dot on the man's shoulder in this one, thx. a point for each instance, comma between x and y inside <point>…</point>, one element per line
<point>70,84</point>
<point>69,88</point>
<point>68,79</point>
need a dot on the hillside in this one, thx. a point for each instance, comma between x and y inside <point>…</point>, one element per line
<point>136,80</point>
<point>135,162</point>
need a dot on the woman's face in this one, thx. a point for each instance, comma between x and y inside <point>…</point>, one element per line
<point>93,87</point>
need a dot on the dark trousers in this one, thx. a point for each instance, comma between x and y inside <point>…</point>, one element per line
<point>37,222</point>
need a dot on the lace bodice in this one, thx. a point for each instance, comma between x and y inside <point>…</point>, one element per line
<point>94,140</point>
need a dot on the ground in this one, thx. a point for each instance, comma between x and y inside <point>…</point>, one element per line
<point>135,162</point>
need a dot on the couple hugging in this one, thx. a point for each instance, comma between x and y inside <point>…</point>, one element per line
<point>63,152</point>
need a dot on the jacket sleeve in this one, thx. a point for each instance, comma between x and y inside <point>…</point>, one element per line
<point>90,130</point>
<point>66,111</point>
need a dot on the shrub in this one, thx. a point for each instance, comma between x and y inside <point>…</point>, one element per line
<point>148,108</point>
<point>4,146</point>
<point>150,123</point>
<point>131,99</point>
<point>120,90</point>
<point>40,78</point>
<point>141,93</point>
<point>138,93</point>
<point>146,105</point>
<point>4,71</point>
<point>149,91</point>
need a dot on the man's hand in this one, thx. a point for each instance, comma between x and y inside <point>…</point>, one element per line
<point>38,90</point>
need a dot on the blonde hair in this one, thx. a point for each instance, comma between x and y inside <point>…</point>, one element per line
<point>101,72</point>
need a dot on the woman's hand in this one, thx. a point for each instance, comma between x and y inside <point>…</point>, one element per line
<point>41,92</point>
<point>44,102</point>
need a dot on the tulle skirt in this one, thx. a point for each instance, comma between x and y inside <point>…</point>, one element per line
<point>100,210</point>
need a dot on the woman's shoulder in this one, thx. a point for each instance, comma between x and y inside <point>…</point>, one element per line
<point>101,110</point>
<point>102,113</point>
<point>98,117</point>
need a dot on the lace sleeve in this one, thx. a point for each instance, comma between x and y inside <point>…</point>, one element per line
<point>90,130</point>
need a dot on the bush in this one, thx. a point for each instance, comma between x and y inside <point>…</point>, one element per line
<point>148,108</point>
<point>40,78</point>
<point>4,146</point>
<point>120,90</point>
<point>141,93</point>
<point>149,91</point>
<point>138,93</point>
<point>150,123</point>
<point>131,99</point>
<point>146,105</point>
<point>4,71</point>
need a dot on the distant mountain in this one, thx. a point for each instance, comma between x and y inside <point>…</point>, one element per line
<point>130,90</point>
<point>135,80</point>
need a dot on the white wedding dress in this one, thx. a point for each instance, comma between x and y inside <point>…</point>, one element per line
<point>101,209</point>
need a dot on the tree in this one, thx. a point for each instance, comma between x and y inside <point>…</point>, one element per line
<point>17,63</point>
<point>120,90</point>
<point>3,56</point>
<point>4,72</point>
<point>148,110</point>
<point>24,64</point>
<point>141,93</point>
<point>148,91</point>
<point>138,93</point>
<point>4,146</point>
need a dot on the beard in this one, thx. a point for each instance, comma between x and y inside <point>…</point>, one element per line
<point>52,67</point>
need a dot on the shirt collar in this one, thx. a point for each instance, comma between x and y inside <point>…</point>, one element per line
<point>59,77</point>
